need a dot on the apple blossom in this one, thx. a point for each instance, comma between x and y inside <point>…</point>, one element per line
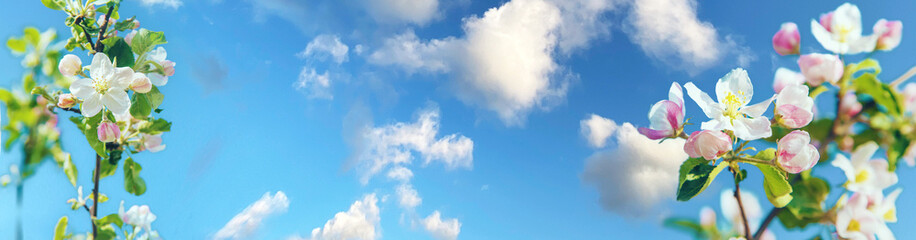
<point>785,77</point>
<point>108,131</point>
<point>136,24</point>
<point>153,143</point>
<point>794,106</point>
<point>909,97</point>
<point>666,116</point>
<point>66,100</point>
<point>168,67</point>
<point>105,88</point>
<point>850,105</point>
<point>819,68</point>
<point>138,216</point>
<point>864,175</point>
<point>841,31</point>
<point>731,112</point>
<point>890,34</point>
<point>707,216</point>
<point>795,153</point>
<point>70,65</point>
<point>854,221</point>
<point>786,40</point>
<point>708,144</point>
<point>140,83</point>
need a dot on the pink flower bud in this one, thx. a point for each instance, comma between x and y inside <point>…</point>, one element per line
<point>707,217</point>
<point>66,100</point>
<point>140,83</point>
<point>890,34</point>
<point>666,116</point>
<point>786,41</point>
<point>819,68</point>
<point>850,106</point>
<point>108,131</point>
<point>130,36</point>
<point>70,65</point>
<point>785,77</point>
<point>168,67</point>
<point>795,153</point>
<point>794,106</point>
<point>707,144</point>
<point>153,143</point>
<point>136,24</point>
<point>826,20</point>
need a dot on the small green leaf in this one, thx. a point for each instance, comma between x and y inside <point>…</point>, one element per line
<point>777,189</point>
<point>686,225</point>
<point>145,40</point>
<point>70,170</point>
<point>117,48</point>
<point>140,106</point>
<point>133,183</point>
<point>111,219</point>
<point>697,179</point>
<point>106,232</point>
<point>52,4</point>
<point>107,169</point>
<point>155,126</point>
<point>90,129</point>
<point>808,198</point>
<point>17,45</point>
<point>60,230</point>
<point>882,94</point>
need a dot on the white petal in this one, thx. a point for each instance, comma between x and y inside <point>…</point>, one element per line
<point>863,153</point>
<point>121,78</point>
<point>709,107</point>
<point>101,66</point>
<point>848,15</point>
<point>883,232</point>
<point>795,95</point>
<point>116,100</point>
<point>716,124</point>
<point>157,79</point>
<point>843,163</point>
<point>863,44</point>
<point>752,128</point>
<point>824,37</point>
<point>658,116</point>
<point>758,109</point>
<point>91,105</point>
<point>675,94</point>
<point>737,83</point>
<point>82,88</point>
<point>157,54</point>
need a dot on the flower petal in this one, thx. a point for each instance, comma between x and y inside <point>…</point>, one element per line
<point>157,79</point>
<point>709,107</point>
<point>116,100</point>
<point>676,94</point>
<point>752,128</point>
<point>863,153</point>
<point>91,105</point>
<point>82,88</point>
<point>863,44</point>
<point>824,37</point>
<point>843,163</point>
<point>157,54</point>
<point>101,66</point>
<point>758,109</point>
<point>121,78</point>
<point>736,83</point>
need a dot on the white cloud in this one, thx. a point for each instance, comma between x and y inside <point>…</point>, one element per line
<point>243,225</point>
<point>400,173</point>
<point>597,129</point>
<point>174,4</point>
<point>403,11</point>
<point>583,21</point>
<point>324,46</point>
<point>670,32</point>
<point>393,145</point>
<point>447,229</point>
<point>360,222</point>
<point>638,174</point>
<point>315,85</point>
<point>407,196</point>
<point>407,51</point>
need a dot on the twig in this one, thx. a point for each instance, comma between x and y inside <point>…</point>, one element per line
<point>747,229</point>
<point>904,77</point>
<point>98,45</point>
<point>95,193</point>
<point>77,111</point>
<point>78,22</point>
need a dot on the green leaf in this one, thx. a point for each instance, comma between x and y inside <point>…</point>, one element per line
<point>817,91</point>
<point>107,169</point>
<point>117,48</point>
<point>70,170</point>
<point>155,97</point>
<point>111,219</point>
<point>697,178</point>
<point>777,189</point>
<point>106,232</point>
<point>125,24</point>
<point>133,183</point>
<point>7,97</point>
<point>90,129</point>
<point>808,198</point>
<point>145,40</point>
<point>52,4</point>
<point>140,106</point>
<point>32,35</point>
<point>864,65</point>
<point>60,230</point>
<point>17,45</point>
<point>686,225</point>
<point>896,148</point>
<point>155,126</point>
<point>114,156</point>
<point>883,94</point>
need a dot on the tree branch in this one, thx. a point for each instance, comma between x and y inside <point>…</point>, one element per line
<point>98,45</point>
<point>78,22</point>
<point>747,229</point>
<point>95,194</point>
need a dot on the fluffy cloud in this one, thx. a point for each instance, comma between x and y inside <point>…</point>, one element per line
<point>249,220</point>
<point>358,223</point>
<point>597,129</point>
<point>669,31</point>
<point>315,85</point>
<point>636,175</point>
<point>403,11</point>
<point>407,51</point>
<point>324,46</point>
<point>165,3</point>
<point>393,146</point>
<point>447,229</point>
<point>407,196</point>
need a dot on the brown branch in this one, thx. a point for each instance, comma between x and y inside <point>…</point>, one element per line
<point>78,22</point>
<point>95,193</point>
<point>75,110</point>
<point>747,229</point>
<point>98,45</point>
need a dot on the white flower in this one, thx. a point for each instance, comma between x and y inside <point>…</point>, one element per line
<point>153,143</point>
<point>794,107</point>
<point>732,212</point>
<point>138,216</point>
<point>70,65</point>
<point>158,55</point>
<point>885,211</point>
<point>864,174</point>
<point>854,221</point>
<point>842,31</point>
<point>731,112</point>
<point>105,88</point>
<point>785,77</point>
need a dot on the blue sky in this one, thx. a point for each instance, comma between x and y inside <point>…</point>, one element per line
<point>251,113</point>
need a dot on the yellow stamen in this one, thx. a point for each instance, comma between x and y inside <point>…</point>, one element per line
<point>732,104</point>
<point>853,226</point>
<point>861,176</point>
<point>890,215</point>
